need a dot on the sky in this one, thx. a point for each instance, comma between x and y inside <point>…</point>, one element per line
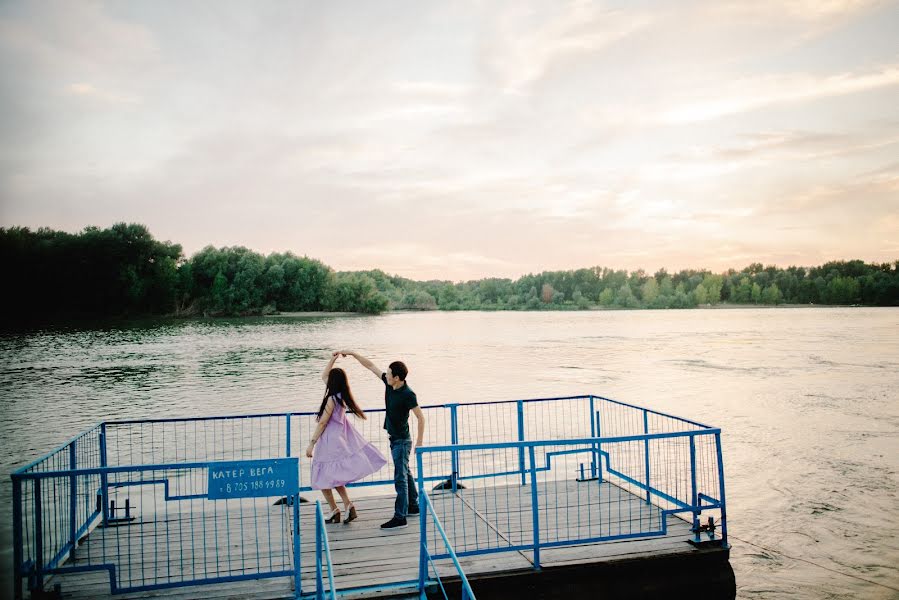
<point>461,140</point>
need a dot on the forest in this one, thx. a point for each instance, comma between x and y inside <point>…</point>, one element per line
<point>124,271</point>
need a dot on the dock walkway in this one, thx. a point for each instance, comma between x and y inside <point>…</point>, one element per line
<point>365,557</point>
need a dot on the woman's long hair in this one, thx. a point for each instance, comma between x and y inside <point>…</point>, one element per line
<point>339,388</point>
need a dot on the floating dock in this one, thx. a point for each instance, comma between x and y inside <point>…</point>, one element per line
<point>551,514</point>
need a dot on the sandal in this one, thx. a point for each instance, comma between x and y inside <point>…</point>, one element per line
<point>351,514</point>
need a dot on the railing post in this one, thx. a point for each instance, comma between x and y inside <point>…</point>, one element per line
<point>694,499</point>
<point>721,489</point>
<point>454,440</point>
<point>319,581</point>
<point>73,496</point>
<point>38,582</point>
<point>593,435</point>
<point>646,450</point>
<point>297,561</point>
<point>598,447</point>
<point>104,476</point>
<point>288,435</point>
<point>17,537</point>
<point>521,439</point>
<point>423,524</point>
<point>297,564</point>
<point>535,512</point>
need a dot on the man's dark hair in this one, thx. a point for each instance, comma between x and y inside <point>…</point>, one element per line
<point>399,370</point>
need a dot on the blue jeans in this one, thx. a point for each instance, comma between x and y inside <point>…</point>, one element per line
<point>406,494</point>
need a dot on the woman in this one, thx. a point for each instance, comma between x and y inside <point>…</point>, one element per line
<point>341,455</point>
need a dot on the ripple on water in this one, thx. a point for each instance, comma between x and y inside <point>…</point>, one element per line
<point>806,400</point>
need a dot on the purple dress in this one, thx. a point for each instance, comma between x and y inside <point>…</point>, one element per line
<point>342,455</point>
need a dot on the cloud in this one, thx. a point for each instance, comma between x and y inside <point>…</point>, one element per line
<point>526,44</point>
<point>432,90</point>
<point>849,205</point>
<point>804,10</point>
<point>420,261</point>
<point>89,91</point>
<point>767,148</point>
<point>753,93</point>
<point>508,138</point>
<point>79,36</point>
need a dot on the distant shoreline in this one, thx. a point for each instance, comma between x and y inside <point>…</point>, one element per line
<point>726,305</point>
<point>309,313</point>
<point>126,321</point>
<point>720,306</point>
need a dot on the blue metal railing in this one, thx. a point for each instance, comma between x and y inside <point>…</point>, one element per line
<point>554,507</point>
<point>122,472</point>
<point>322,548</point>
<point>425,557</point>
<point>169,545</point>
<point>70,501</point>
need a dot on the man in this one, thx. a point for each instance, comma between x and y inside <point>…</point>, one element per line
<point>399,400</point>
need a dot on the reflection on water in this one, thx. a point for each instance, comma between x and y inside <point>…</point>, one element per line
<point>807,399</point>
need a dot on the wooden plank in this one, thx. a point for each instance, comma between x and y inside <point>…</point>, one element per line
<point>495,516</point>
<point>337,535</point>
<point>263,589</point>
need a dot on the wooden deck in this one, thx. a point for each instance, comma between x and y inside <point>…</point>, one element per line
<point>364,556</point>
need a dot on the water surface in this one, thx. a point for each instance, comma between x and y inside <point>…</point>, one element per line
<point>808,400</point>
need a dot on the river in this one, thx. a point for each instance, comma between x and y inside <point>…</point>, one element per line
<point>807,398</point>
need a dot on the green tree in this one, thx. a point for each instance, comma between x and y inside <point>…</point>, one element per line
<point>448,297</point>
<point>373,304</point>
<point>355,292</point>
<point>772,294</point>
<point>546,293</point>
<point>418,300</point>
<point>606,297</point>
<point>756,294</point>
<point>742,293</point>
<point>248,285</point>
<point>666,287</point>
<point>650,291</point>
<point>842,290</point>
<point>625,297</point>
<point>713,285</point>
<point>580,300</point>
<point>220,302</point>
<point>700,295</point>
<point>274,281</point>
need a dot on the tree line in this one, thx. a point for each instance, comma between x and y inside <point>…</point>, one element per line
<point>124,271</point>
<point>833,283</point>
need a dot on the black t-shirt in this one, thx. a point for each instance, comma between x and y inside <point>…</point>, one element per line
<point>398,404</point>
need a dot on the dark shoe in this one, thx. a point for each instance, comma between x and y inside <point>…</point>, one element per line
<point>394,523</point>
<point>413,510</point>
<point>334,518</point>
<point>351,514</point>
